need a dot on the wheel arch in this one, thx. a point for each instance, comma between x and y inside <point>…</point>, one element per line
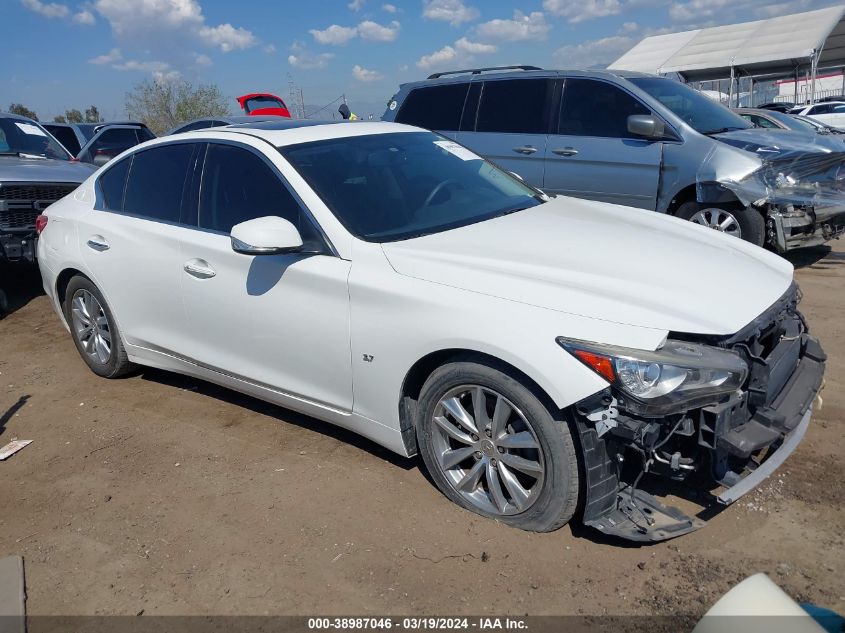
<point>419,372</point>
<point>62,281</point>
<point>690,193</point>
<point>60,289</point>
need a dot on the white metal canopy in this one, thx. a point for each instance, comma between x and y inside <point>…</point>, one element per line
<point>781,45</point>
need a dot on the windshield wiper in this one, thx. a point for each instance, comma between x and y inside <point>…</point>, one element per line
<point>23,155</point>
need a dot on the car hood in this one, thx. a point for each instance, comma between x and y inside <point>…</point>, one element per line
<point>606,262</point>
<point>771,143</point>
<point>14,169</point>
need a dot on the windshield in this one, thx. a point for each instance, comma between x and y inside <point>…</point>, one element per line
<point>386,187</point>
<point>700,112</point>
<point>815,124</point>
<point>19,136</point>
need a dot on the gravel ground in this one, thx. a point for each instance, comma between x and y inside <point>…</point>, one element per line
<point>167,495</point>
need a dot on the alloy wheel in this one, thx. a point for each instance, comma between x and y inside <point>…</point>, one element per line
<point>91,326</point>
<point>487,450</point>
<point>719,219</point>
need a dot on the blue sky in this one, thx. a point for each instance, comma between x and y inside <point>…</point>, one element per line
<point>73,53</point>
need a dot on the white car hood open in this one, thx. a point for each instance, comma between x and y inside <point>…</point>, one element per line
<point>606,262</point>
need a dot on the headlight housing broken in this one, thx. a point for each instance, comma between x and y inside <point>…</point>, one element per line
<point>675,378</point>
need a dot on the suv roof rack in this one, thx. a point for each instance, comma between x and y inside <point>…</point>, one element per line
<point>478,71</point>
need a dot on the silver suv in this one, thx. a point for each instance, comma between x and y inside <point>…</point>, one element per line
<point>638,140</point>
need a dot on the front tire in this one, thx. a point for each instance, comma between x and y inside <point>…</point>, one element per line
<point>494,448</point>
<point>732,219</point>
<point>94,329</point>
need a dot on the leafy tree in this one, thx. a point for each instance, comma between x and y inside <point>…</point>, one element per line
<point>59,118</point>
<point>92,115</point>
<point>21,109</point>
<point>161,104</point>
<point>73,116</point>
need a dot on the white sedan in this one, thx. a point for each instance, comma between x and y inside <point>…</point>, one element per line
<point>535,351</point>
<point>830,112</point>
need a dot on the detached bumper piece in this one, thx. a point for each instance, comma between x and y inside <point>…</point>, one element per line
<point>730,447</point>
<point>641,517</point>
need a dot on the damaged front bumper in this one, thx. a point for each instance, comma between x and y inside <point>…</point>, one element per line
<point>800,191</point>
<point>789,227</point>
<point>719,453</point>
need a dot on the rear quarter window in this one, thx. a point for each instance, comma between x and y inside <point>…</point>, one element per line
<point>113,184</point>
<point>434,107</point>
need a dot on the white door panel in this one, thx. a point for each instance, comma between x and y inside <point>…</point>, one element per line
<point>277,320</point>
<point>117,248</point>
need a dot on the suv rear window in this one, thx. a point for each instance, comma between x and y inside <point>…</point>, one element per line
<point>434,107</point>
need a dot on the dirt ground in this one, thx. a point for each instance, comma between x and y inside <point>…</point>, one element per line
<point>166,495</point>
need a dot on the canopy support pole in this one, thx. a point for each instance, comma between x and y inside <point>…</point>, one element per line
<point>731,90</point>
<point>795,98</point>
<point>751,92</point>
<point>814,65</point>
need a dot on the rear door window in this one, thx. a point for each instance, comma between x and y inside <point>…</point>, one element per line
<point>515,106</point>
<point>157,180</point>
<point>434,107</point>
<point>596,108</point>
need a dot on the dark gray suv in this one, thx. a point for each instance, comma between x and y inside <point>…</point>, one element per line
<point>35,172</point>
<point>641,141</point>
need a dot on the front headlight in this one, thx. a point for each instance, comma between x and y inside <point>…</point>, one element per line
<point>677,377</point>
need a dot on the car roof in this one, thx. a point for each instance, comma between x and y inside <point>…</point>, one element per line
<point>229,119</point>
<point>237,118</point>
<point>807,105</point>
<point>293,131</point>
<point>9,115</point>
<point>464,75</point>
<point>99,124</point>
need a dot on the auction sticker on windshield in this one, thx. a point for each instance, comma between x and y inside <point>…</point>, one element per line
<point>29,128</point>
<point>458,150</point>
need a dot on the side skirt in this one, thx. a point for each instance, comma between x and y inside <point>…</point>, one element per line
<point>384,435</point>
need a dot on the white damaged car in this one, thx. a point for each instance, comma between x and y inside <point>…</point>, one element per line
<point>545,356</point>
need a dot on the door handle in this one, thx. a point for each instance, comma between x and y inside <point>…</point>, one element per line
<point>565,151</point>
<point>525,149</point>
<point>98,243</point>
<point>199,268</point>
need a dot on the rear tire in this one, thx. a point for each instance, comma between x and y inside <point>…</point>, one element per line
<point>94,329</point>
<point>523,472</point>
<point>732,219</point>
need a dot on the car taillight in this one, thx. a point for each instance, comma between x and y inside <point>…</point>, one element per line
<point>40,224</point>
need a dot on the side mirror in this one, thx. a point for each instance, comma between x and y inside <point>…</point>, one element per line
<point>270,235</point>
<point>646,126</point>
